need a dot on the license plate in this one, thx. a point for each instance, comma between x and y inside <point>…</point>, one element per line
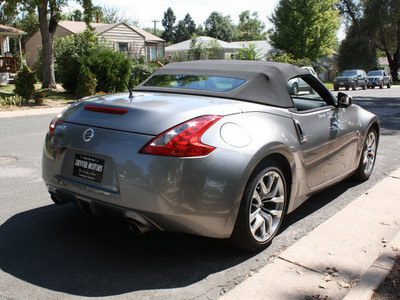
<point>88,167</point>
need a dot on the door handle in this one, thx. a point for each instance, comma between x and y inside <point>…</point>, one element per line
<point>302,136</point>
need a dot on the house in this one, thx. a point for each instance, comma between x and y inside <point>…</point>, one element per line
<point>124,38</point>
<point>327,67</point>
<point>178,52</point>
<point>262,47</point>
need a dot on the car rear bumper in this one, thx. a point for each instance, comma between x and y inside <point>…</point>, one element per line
<point>196,195</point>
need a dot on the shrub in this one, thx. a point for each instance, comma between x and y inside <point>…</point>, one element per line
<point>86,83</point>
<point>140,71</point>
<point>25,83</point>
<point>248,52</point>
<point>68,52</point>
<point>107,74</point>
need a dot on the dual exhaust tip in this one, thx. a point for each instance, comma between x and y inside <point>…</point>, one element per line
<point>133,225</point>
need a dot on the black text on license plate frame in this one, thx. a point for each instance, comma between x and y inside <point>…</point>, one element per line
<point>88,167</point>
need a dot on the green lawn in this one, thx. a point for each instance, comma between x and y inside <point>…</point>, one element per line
<point>329,85</point>
<point>60,95</point>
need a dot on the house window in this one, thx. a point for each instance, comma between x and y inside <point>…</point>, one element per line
<point>151,53</point>
<point>154,53</point>
<point>123,47</point>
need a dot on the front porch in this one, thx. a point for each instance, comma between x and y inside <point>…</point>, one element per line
<point>9,62</point>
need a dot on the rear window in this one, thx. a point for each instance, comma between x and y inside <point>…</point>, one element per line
<point>196,82</point>
<point>349,73</point>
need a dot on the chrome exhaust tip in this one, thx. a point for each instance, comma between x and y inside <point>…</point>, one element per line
<point>137,227</point>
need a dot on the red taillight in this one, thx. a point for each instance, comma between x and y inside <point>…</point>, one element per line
<point>53,123</point>
<point>106,110</point>
<point>182,140</point>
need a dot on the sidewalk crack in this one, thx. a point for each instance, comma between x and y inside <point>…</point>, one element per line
<point>297,264</point>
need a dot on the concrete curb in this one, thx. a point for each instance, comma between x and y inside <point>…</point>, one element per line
<point>376,273</point>
<point>31,112</point>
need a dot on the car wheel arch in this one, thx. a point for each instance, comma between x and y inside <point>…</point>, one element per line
<point>283,159</point>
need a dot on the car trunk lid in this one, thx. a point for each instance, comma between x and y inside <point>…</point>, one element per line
<point>145,113</point>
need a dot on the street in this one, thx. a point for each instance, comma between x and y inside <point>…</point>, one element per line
<point>57,252</point>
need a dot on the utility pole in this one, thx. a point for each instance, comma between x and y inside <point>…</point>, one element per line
<point>155,26</point>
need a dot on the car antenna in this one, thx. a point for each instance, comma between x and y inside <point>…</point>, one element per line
<point>120,73</point>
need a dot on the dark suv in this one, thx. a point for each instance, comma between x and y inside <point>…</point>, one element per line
<point>351,79</point>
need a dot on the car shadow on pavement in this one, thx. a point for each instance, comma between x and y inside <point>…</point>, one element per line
<point>318,201</point>
<point>61,249</point>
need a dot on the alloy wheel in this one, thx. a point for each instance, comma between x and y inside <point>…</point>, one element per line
<point>369,153</point>
<point>267,206</point>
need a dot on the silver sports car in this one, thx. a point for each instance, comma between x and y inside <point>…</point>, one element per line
<point>222,149</point>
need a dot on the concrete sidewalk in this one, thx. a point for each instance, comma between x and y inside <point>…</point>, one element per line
<point>31,112</point>
<point>347,256</point>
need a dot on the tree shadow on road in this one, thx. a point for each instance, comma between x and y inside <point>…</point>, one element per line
<point>387,109</point>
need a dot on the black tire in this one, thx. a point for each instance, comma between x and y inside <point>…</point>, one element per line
<point>368,156</point>
<point>389,85</point>
<point>354,87</point>
<point>347,88</point>
<point>381,86</point>
<point>364,86</point>
<point>335,88</point>
<point>267,207</point>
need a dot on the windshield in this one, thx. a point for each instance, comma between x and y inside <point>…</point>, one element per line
<point>349,73</point>
<point>375,73</point>
<point>197,82</point>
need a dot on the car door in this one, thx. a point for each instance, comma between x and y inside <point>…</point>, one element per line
<point>326,134</point>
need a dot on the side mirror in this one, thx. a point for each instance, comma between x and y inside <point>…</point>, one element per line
<point>344,100</point>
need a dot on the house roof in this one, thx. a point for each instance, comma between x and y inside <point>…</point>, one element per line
<point>76,27</point>
<point>185,45</point>
<point>10,31</point>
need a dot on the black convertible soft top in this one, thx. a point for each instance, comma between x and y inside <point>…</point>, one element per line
<point>266,81</point>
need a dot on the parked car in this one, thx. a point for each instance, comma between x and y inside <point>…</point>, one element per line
<point>220,149</point>
<point>298,85</point>
<point>351,79</point>
<point>379,78</point>
<point>311,70</point>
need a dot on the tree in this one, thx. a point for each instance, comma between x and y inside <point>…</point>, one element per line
<point>185,29</point>
<point>75,15</point>
<point>200,50</point>
<point>111,14</point>
<point>28,22</point>
<point>159,32</point>
<point>250,28</point>
<point>384,17</point>
<point>168,23</point>
<point>248,52</point>
<point>374,26</point>
<point>220,27</point>
<point>356,53</point>
<point>305,28</point>
<point>49,12</point>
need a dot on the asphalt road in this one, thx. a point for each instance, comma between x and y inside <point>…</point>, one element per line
<point>56,252</point>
